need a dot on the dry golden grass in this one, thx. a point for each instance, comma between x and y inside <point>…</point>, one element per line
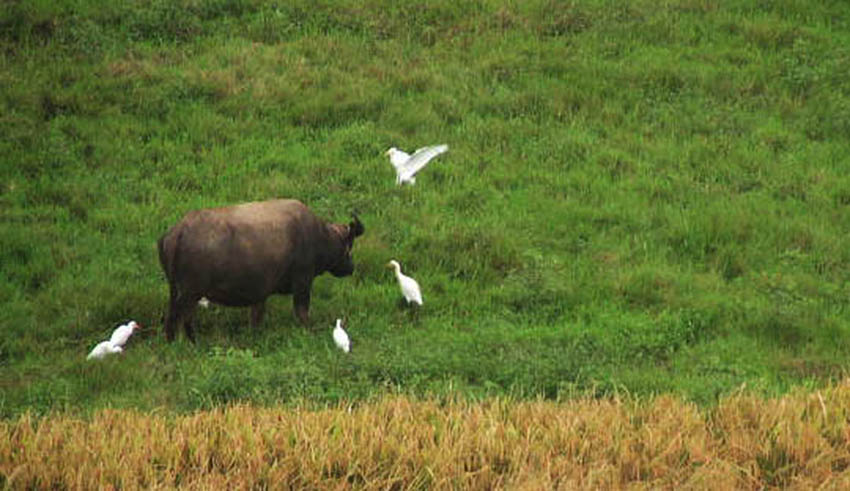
<point>796,441</point>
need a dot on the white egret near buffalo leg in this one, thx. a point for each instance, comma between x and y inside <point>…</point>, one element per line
<point>103,349</point>
<point>406,166</point>
<point>122,333</point>
<point>409,286</point>
<point>341,337</point>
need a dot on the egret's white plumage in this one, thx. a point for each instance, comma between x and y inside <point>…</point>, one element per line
<point>203,302</point>
<point>341,337</point>
<point>409,286</point>
<point>103,349</point>
<point>122,333</point>
<point>406,166</point>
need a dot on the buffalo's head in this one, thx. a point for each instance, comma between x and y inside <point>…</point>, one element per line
<point>343,265</point>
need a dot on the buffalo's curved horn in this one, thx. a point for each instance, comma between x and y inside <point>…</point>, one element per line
<point>356,227</point>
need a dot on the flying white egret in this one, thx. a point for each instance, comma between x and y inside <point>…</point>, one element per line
<point>122,333</point>
<point>409,286</point>
<point>341,337</point>
<point>103,349</point>
<point>406,166</point>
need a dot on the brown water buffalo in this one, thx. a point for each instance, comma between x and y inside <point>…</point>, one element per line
<point>239,255</point>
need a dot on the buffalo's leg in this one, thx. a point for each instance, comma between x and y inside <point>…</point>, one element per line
<point>188,325</point>
<point>302,311</point>
<point>301,299</point>
<point>171,319</point>
<point>180,310</point>
<point>301,305</point>
<point>257,312</point>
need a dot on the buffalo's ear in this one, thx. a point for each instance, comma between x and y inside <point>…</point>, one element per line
<point>355,227</point>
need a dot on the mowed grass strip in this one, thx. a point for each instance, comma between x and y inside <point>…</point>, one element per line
<point>801,439</point>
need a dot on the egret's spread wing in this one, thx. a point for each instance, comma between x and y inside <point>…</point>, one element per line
<point>420,159</point>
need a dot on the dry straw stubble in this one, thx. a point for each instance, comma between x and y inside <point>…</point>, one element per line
<point>799,440</point>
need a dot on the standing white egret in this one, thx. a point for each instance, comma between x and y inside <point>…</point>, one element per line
<point>409,286</point>
<point>103,349</point>
<point>203,302</point>
<point>122,333</point>
<point>406,166</point>
<point>341,337</point>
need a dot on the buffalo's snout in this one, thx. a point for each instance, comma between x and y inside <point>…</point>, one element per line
<point>345,268</point>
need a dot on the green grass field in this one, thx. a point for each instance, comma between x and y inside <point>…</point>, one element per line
<point>639,197</point>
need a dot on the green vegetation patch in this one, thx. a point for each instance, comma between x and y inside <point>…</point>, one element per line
<point>638,196</point>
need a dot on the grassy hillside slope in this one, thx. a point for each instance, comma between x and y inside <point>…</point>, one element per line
<point>642,196</point>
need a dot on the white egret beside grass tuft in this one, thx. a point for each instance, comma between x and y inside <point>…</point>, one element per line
<point>406,165</point>
<point>409,286</point>
<point>341,337</point>
<point>122,333</point>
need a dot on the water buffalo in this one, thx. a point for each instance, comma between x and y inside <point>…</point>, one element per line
<point>239,255</point>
